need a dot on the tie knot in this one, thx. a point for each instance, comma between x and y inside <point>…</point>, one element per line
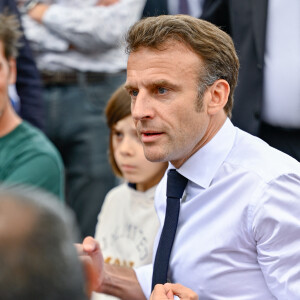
<point>176,184</point>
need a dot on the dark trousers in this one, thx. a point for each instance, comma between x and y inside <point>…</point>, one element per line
<point>76,124</point>
<point>283,139</point>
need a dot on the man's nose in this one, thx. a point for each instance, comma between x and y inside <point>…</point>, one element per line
<point>141,107</point>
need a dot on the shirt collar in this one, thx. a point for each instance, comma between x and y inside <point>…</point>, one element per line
<point>202,166</point>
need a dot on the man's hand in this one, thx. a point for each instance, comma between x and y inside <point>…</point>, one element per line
<point>107,2</point>
<point>38,11</point>
<point>90,254</point>
<point>169,290</point>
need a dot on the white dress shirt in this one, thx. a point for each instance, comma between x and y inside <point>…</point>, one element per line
<point>96,32</point>
<point>281,105</point>
<point>238,235</point>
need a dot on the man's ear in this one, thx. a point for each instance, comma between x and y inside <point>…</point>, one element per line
<point>12,70</point>
<point>90,276</point>
<point>219,93</point>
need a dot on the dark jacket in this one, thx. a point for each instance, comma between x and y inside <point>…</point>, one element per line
<point>245,21</point>
<point>28,83</point>
<point>155,8</point>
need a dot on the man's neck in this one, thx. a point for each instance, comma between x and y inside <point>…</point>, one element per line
<point>9,120</point>
<point>216,123</point>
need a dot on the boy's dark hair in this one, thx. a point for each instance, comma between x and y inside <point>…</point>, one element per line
<point>118,108</point>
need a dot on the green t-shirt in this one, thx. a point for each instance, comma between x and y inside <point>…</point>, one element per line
<point>28,157</point>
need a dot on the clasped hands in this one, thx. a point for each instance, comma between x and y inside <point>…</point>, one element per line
<point>169,290</point>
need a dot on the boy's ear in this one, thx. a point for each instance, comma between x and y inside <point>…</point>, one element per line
<point>12,70</point>
<point>219,93</point>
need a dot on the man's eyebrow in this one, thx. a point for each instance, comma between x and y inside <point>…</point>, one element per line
<point>128,86</point>
<point>163,83</point>
<point>156,83</point>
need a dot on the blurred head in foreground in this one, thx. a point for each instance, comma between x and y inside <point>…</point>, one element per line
<point>37,257</point>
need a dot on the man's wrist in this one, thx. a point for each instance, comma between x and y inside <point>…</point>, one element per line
<point>120,282</point>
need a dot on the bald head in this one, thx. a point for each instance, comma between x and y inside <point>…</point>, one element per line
<point>37,256</point>
<point>17,220</point>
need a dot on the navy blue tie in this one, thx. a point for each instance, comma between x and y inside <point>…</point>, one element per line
<point>183,7</point>
<point>175,186</point>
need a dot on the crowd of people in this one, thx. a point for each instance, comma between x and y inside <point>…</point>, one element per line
<point>149,149</point>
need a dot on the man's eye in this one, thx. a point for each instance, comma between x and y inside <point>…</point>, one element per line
<point>161,90</point>
<point>134,93</point>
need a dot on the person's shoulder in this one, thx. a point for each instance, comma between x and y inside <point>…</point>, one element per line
<point>33,139</point>
<point>251,154</point>
<point>116,197</point>
<point>27,144</point>
<point>120,190</point>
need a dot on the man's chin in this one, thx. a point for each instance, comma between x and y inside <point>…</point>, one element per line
<point>155,157</point>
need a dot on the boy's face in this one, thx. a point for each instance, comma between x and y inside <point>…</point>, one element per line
<point>130,158</point>
<point>7,77</point>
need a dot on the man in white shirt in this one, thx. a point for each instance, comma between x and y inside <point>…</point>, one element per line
<point>78,49</point>
<point>238,234</point>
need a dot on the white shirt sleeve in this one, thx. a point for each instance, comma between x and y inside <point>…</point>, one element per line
<point>144,276</point>
<point>41,38</point>
<point>276,223</point>
<point>90,27</point>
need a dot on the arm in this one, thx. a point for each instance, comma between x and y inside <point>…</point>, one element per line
<point>117,281</point>
<point>42,39</point>
<point>276,229</point>
<point>89,27</point>
<point>107,2</point>
<point>168,290</point>
<point>40,171</point>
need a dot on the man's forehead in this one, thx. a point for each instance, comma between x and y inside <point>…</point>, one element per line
<point>162,49</point>
<point>169,43</point>
<point>171,49</point>
<point>153,65</point>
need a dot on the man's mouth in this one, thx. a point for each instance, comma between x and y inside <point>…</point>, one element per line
<point>151,133</point>
<point>150,136</point>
